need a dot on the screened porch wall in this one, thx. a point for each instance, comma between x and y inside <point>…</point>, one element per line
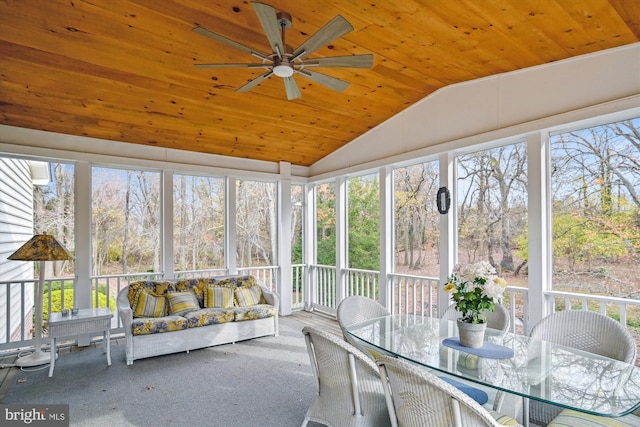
<point>485,112</point>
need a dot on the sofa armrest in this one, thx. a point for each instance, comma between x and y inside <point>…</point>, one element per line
<point>124,309</point>
<point>126,316</point>
<point>271,297</point>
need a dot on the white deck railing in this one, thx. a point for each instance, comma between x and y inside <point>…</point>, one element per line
<point>410,294</point>
<point>610,306</point>
<point>362,282</point>
<point>297,284</point>
<point>324,297</point>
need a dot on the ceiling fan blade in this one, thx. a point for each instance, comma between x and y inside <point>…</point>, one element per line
<point>328,81</point>
<point>291,87</point>
<point>269,21</point>
<point>232,65</point>
<point>350,61</point>
<point>255,82</point>
<point>333,29</point>
<point>223,39</point>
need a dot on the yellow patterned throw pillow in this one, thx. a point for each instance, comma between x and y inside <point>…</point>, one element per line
<point>182,302</point>
<point>217,297</point>
<point>148,305</point>
<point>246,297</point>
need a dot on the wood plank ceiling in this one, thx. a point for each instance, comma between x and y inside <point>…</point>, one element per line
<point>124,70</point>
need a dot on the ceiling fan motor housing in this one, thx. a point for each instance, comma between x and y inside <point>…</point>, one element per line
<point>284,20</point>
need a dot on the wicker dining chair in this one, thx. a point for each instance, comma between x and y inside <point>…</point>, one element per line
<point>497,319</point>
<point>350,392</point>
<point>417,398</point>
<point>587,331</point>
<point>356,309</point>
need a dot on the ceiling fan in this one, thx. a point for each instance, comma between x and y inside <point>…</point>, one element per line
<point>283,61</point>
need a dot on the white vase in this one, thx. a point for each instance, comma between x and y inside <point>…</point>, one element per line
<point>471,334</point>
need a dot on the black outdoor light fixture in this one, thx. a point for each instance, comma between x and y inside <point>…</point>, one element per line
<point>443,200</point>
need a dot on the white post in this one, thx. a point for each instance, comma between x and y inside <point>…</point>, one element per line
<point>284,286</point>
<point>386,236</point>
<point>539,228</point>
<point>82,292</point>
<point>341,238</point>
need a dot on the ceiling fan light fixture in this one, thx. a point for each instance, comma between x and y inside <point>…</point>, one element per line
<point>282,70</point>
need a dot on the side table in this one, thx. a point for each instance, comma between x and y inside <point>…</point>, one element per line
<point>86,320</point>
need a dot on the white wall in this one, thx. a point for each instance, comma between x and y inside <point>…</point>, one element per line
<point>16,227</point>
<point>497,107</point>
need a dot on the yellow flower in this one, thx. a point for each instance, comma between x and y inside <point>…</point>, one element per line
<point>500,281</point>
<point>449,287</point>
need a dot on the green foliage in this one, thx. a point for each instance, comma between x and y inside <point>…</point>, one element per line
<point>56,300</point>
<point>364,223</point>
<point>326,248</point>
<point>578,238</point>
<point>472,301</point>
<point>326,223</point>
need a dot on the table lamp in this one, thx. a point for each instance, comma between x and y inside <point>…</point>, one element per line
<point>41,247</point>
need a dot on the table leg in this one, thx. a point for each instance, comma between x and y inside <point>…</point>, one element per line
<point>107,338</point>
<point>525,412</point>
<point>53,357</point>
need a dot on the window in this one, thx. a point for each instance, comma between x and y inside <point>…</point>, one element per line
<point>363,212</point>
<point>297,217</point>
<point>36,197</point>
<point>595,178</point>
<point>53,211</point>
<point>125,221</point>
<point>326,224</point>
<point>198,222</point>
<point>416,219</point>
<point>256,223</point>
<point>492,209</point>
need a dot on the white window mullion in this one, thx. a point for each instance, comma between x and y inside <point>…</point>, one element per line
<point>310,239</point>
<point>448,227</point>
<point>166,218</point>
<point>230,229</point>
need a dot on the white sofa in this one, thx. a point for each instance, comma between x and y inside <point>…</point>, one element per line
<point>144,338</point>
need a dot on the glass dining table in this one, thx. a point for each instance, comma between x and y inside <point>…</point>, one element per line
<point>522,366</point>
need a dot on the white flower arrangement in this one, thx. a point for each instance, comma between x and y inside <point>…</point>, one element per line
<point>475,288</point>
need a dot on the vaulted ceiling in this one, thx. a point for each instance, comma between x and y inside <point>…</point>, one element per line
<point>124,70</point>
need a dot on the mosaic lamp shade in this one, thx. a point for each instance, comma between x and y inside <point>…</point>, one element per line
<point>41,247</point>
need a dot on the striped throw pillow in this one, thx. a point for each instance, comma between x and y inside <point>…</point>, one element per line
<point>148,305</point>
<point>182,302</point>
<point>246,297</point>
<point>218,297</point>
